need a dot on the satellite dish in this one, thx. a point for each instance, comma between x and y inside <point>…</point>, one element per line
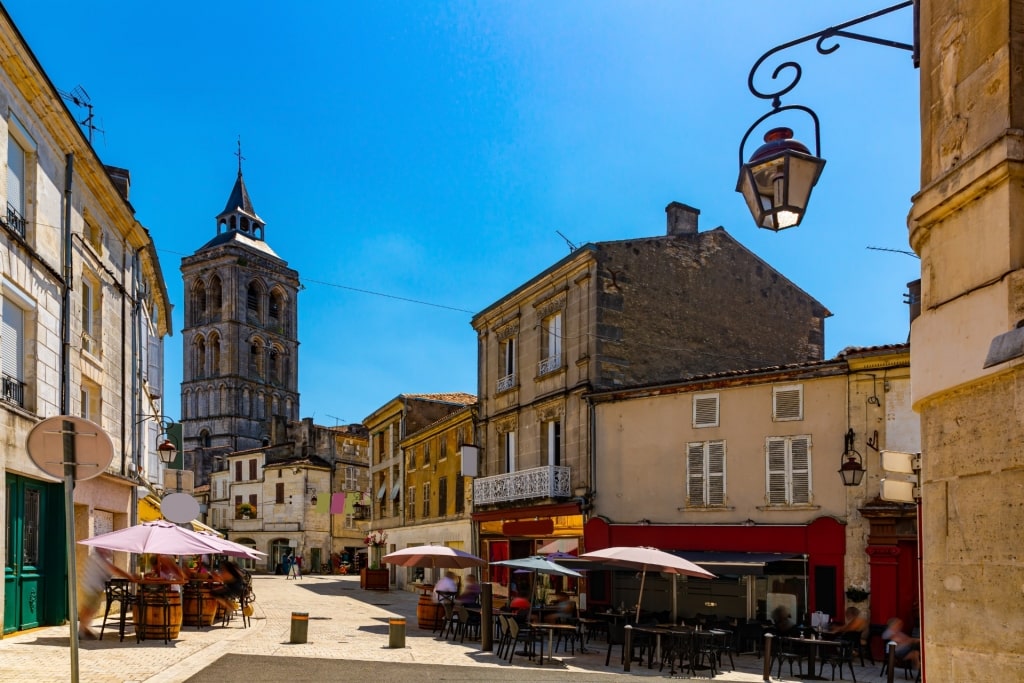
<point>92,448</point>
<point>179,508</point>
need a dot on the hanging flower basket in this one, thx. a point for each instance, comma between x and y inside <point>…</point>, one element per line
<point>857,594</point>
<point>375,542</point>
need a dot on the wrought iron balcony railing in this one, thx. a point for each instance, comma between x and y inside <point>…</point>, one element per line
<point>13,391</point>
<point>506,383</point>
<point>536,482</point>
<point>549,364</point>
<point>15,221</point>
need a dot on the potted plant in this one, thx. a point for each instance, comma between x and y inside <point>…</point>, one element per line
<point>246,510</point>
<point>373,577</point>
<point>857,593</point>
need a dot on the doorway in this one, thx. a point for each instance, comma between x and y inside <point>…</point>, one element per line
<point>36,560</point>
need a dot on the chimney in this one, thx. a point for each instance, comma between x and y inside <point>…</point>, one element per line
<point>122,178</point>
<point>682,219</point>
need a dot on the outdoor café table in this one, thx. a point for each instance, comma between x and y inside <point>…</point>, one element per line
<point>812,645</point>
<point>657,632</point>
<point>551,628</point>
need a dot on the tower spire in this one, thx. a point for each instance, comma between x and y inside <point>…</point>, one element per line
<point>239,155</point>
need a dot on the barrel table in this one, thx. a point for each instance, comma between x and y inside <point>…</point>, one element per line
<point>158,612</point>
<point>199,605</point>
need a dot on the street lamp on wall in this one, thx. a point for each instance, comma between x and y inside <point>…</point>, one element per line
<point>167,452</point>
<point>777,180</point>
<point>851,468</point>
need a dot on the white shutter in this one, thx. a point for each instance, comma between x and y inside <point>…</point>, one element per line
<point>705,410</point>
<point>788,403</point>
<point>800,459</point>
<point>12,341</point>
<point>555,336</point>
<point>16,175</point>
<point>695,474</point>
<point>776,471</point>
<point>510,451</point>
<point>716,473</point>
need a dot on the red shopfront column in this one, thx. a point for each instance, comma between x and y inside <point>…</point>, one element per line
<point>885,571</point>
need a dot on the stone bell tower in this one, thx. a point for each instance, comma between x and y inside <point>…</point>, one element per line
<point>240,339</point>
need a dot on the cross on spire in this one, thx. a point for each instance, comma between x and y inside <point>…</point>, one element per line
<point>239,155</point>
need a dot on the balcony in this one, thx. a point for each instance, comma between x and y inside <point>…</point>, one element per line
<point>15,221</point>
<point>506,383</point>
<point>549,365</point>
<point>13,391</point>
<point>537,482</point>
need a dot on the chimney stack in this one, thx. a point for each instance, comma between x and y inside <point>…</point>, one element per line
<point>682,219</point>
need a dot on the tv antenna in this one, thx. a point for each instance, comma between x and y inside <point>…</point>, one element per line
<point>337,420</point>
<point>80,98</point>
<point>895,251</point>
<point>572,247</point>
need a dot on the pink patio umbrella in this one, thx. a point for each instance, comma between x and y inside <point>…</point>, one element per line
<point>642,558</point>
<point>159,537</point>
<point>435,556</point>
<point>233,549</point>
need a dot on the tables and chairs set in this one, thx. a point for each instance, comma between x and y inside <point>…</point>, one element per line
<point>802,649</point>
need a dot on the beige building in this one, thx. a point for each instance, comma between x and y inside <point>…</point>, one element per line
<point>84,312</point>
<point>967,368</point>
<point>612,314</point>
<point>437,493</point>
<point>738,471</point>
<point>386,427</point>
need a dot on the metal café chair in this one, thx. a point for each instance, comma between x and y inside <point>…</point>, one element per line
<point>119,591</point>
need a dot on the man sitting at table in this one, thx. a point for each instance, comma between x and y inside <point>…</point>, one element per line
<point>446,586</point>
<point>470,594</point>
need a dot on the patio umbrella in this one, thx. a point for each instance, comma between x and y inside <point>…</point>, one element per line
<point>159,537</point>
<point>231,548</point>
<point>433,556</point>
<point>643,558</point>
<point>538,565</point>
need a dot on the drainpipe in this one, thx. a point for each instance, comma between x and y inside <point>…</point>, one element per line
<point>65,318</point>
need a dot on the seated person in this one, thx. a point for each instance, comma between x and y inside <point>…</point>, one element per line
<point>907,648</point>
<point>782,619</point>
<point>232,586</point>
<point>565,610</point>
<point>855,623</point>
<point>470,594</point>
<point>446,584</point>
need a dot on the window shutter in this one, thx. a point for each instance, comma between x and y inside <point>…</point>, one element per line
<point>776,472</point>
<point>695,474</point>
<point>788,403</point>
<point>555,332</point>
<point>12,341</point>
<point>801,469</point>
<point>705,411</point>
<point>16,175</point>
<point>716,473</point>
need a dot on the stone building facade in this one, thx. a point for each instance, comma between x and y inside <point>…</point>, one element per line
<point>240,340</point>
<point>966,226</point>
<point>83,313</point>
<point>612,314</point>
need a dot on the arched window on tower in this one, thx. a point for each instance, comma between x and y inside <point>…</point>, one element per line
<point>214,354</point>
<point>216,298</point>
<point>204,438</point>
<point>275,307</point>
<point>200,358</point>
<point>254,294</point>
<point>275,366</point>
<point>256,359</point>
<point>198,303</point>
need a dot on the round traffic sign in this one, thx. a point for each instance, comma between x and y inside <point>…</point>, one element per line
<point>90,449</point>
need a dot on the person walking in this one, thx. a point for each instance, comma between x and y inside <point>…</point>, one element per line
<point>99,569</point>
<point>296,569</point>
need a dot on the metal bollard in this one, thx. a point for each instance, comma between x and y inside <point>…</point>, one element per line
<point>396,632</point>
<point>300,626</point>
<point>767,676</point>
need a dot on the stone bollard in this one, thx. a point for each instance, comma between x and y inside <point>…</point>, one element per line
<point>396,632</point>
<point>300,626</point>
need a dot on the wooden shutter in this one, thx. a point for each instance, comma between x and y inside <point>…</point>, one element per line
<point>716,473</point>
<point>705,410</point>
<point>695,475</point>
<point>800,464</point>
<point>279,493</point>
<point>788,403</point>
<point>776,472</point>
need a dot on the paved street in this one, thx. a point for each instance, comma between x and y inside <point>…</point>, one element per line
<point>347,637</point>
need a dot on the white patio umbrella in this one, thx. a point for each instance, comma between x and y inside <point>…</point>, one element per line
<point>642,558</point>
<point>434,556</point>
<point>159,537</point>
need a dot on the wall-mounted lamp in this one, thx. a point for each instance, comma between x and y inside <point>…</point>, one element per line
<point>167,451</point>
<point>851,467</point>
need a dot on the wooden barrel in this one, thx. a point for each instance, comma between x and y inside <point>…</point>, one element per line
<point>428,612</point>
<point>151,620</point>
<point>200,607</point>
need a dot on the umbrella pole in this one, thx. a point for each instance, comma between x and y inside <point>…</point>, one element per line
<point>640,598</point>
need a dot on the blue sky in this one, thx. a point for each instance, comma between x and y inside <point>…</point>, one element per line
<point>429,151</point>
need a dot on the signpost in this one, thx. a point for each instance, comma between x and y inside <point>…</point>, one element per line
<point>71,448</point>
<point>903,489</point>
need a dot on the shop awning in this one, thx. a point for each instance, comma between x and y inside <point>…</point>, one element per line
<point>733,562</point>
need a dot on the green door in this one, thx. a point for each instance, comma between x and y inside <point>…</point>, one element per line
<point>33,567</point>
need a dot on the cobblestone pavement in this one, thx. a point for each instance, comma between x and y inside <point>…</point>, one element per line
<point>345,622</point>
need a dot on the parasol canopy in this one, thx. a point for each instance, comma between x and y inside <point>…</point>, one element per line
<point>435,556</point>
<point>159,537</point>
<point>538,565</point>
<point>642,558</point>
